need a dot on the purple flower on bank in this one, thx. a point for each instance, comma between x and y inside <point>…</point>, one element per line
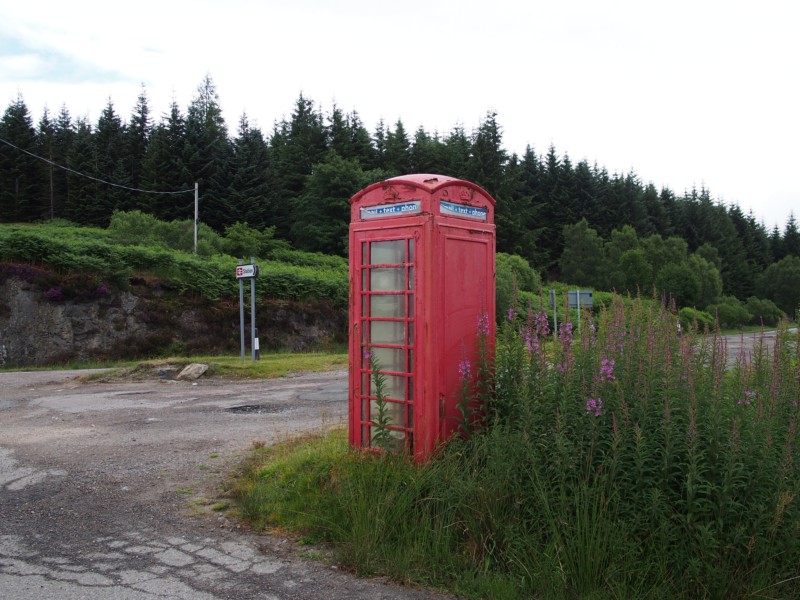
<point>54,294</point>
<point>594,405</point>
<point>511,313</point>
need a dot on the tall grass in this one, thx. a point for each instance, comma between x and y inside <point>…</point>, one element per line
<point>630,462</point>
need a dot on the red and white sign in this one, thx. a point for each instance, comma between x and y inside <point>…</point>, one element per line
<point>246,271</point>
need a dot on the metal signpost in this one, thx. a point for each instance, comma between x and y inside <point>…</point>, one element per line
<point>576,299</point>
<point>248,272</point>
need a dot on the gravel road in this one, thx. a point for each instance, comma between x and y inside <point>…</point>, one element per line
<point>105,489</point>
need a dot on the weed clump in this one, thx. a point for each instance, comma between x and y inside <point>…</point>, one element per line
<point>631,461</point>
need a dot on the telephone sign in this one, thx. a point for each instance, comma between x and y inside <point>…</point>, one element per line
<point>246,271</point>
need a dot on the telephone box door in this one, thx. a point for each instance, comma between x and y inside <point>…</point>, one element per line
<point>384,332</point>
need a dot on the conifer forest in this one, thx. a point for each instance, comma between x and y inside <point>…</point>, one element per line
<point>572,221</point>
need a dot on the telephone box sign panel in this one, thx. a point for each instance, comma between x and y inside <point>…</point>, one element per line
<point>461,210</point>
<point>411,207</point>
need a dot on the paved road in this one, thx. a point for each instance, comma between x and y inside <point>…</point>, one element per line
<point>747,342</point>
<point>105,490</point>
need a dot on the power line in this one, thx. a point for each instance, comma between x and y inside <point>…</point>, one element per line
<point>74,172</point>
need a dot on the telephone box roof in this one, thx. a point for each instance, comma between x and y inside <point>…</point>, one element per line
<point>430,182</point>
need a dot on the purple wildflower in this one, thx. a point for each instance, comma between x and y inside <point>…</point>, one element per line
<point>483,324</point>
<point>606,370</point>
<point>511,313</point>
<point>529,341</point>
<point>749,396</point>
<point>464,370</point>
<point>594,405</point>
<point>565,332</point>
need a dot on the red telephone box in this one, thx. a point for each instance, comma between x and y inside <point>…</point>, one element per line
<point>422,276</point>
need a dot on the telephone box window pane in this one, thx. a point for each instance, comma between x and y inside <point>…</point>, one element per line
<point>389,359</point>
<point>363,253</point>
<point>364,274</point>
<point>392,306</point>
<point>393,410</point>
<point>388,252</point>
<point>395,388</point>
<point>410,361</point>
<point>411,250</point>
<point>410,422</point>
<point>410,306</point>
<point>411,278</point>
<point>363,306</point>
<point>388,332</point>
<point>387,279</point>
<point>410,389</point>
<point>411,333</point>
<point>364,414</point>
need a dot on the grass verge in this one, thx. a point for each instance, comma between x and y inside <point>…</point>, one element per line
<point>269,366</point>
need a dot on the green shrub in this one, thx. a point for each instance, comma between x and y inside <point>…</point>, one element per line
<point>135,228</point>
<point>730,312</point>
<point>763,312</point>
<point>85,250</point>
<point>691,318</point>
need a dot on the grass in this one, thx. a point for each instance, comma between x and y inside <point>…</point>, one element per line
<point>270,366</point>
<point>629,463</point>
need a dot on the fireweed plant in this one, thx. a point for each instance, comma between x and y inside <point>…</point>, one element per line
<point>381,436</point>
<point>625,462</point>
<point>636,462</point>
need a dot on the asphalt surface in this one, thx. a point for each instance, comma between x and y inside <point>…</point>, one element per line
<point>107,489</point>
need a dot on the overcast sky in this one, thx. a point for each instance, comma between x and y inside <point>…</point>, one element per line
<point>685,93</point>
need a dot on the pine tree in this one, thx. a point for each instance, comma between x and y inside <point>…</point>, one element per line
<point>137,137</point>
<point>83,192</point>
<point>457,150</point>
<point>379,142</point>
<point>109,165</point>
<point>397,158</point>
<point>19,172</point>
<point>165,168</point>
<point>63,138</point>
<point>45,147</point>
<point>791,237</point>
<point>209,154</point>
<point>488,159</point>
<point>427,153</point>
<point>250,165</point>
<point>295,146</point>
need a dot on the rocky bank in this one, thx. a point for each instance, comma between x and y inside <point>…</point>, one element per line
<point>41,325</point>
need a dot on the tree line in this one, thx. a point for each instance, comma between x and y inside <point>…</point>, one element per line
<point>298,178</point>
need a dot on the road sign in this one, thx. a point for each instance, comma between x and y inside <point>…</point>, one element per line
<point>246,271</point>
<point>578,298</point>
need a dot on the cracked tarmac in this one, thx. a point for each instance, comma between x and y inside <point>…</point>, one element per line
<point>105,490</point>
